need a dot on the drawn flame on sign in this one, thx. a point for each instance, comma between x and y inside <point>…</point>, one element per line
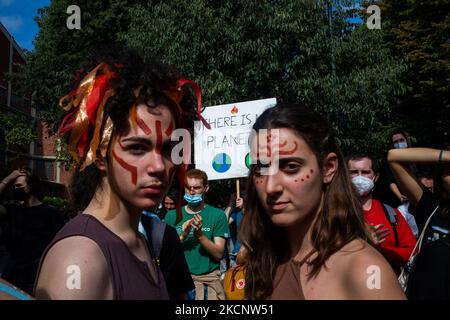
<point>234,110</point>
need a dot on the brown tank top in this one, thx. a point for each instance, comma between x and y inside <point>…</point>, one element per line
<point>130,277</point>
<point>286,283</point>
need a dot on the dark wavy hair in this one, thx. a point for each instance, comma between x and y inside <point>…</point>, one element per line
<point>133,72</point>
<point>339,222</point>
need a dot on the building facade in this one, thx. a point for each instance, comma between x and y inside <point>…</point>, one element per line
<point>41,154</point>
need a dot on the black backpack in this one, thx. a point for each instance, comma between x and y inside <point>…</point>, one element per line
<point>390,214</point>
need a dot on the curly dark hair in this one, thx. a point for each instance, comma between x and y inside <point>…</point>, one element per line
<point>133,71</point>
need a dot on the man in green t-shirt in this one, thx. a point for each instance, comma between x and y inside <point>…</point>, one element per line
<point>203,231</point>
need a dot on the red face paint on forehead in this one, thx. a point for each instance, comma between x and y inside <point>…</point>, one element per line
<point>158,136</point>
<point>288,152</point>
<point>126,166</point>
<point>169,129</point>
<point>143,125</point>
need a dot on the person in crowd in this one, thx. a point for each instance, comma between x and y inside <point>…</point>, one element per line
<point>430,274</point>
<point>390,230</point>
<point>30,226</point>
<point>203,231</point>
<point>234,215</point>
<point>303,219</point>
<point>234,280</point>
<point>120,116</point>
<point>398,139</point>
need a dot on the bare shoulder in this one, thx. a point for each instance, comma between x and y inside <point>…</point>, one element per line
<point>74,268</point>
<point>366,274</point>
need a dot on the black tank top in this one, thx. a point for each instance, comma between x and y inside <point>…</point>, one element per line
<point>130,277</point>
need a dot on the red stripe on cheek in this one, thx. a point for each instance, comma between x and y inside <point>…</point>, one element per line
<point>158,137</point>
<point>169,129</point>
<point>126,166</point>
<point>142,125</point>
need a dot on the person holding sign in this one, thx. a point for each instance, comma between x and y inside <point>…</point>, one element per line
<point>203,231</point>
<point>303,220</point>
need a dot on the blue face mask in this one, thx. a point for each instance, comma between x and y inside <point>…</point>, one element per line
<point>400,145</point>
<point>193,199</point>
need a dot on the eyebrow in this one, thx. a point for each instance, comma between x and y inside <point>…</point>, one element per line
<point>289,159</point>
<point>138,139</point>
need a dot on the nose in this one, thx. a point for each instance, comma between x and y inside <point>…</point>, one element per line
<point>273,184</point>
<point>157,165</point>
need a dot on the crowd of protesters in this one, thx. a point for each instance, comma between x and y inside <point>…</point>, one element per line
<point>310,224</point>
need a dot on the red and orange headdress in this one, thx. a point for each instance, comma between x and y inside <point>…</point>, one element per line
<point>90,131</point>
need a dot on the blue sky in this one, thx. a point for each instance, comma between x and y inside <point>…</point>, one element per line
<point>18,18</point>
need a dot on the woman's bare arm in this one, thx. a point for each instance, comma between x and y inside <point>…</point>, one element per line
<point>399,159</point>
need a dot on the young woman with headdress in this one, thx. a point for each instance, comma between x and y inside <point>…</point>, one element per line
<point>121,115</point>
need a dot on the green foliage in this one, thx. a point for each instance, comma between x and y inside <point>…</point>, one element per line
<point>237,50</point>
<point>419,32</point>
<point>245,50</point>
<point>15,130</point>
<point>58,52</point>
<point>58,202</point>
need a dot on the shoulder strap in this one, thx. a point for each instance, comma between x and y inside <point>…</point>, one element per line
<point>157,229</point>
<point>392,217</point>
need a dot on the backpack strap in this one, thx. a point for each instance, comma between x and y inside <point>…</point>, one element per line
<point>154,232</point>
<point>390,214</point>
<point>157,229</point>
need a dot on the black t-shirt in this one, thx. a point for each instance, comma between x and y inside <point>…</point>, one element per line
<point>439,226</point>
<point>430,276</point>
<point>28,231</point>
<point>173,263</point>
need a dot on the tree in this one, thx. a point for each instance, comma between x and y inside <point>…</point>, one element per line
<point>245,50</point>
<point>419,32</point>
<point>237,51</point>
<point>59,51</point>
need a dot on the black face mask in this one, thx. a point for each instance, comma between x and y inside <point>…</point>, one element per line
<point>20,194</point>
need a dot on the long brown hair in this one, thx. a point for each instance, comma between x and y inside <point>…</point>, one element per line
<point>339,222</point>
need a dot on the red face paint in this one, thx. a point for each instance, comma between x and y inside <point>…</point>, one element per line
<point>269,143</point>
<point>307,176</point>
<point>158,137</point>
<point>126,166</point>
<point>169,129</point>
<point>288,152</point>
<point>142,125</point>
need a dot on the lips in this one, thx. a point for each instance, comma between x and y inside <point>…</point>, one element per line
<point>278,206</point>
<point>152,189</point>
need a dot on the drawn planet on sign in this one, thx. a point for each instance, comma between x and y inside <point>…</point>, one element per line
<point>248,160</point>
<point>221,162</point>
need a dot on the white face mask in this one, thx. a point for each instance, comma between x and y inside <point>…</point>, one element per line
<point>363,185</point>
<point>400,145</point>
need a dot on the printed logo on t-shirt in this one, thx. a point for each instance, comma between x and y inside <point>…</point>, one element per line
<point>240,284</point>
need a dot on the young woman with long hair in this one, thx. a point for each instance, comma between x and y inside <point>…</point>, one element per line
<point>303,220</point>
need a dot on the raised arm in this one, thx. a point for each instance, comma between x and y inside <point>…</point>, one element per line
<point>399,159</point>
